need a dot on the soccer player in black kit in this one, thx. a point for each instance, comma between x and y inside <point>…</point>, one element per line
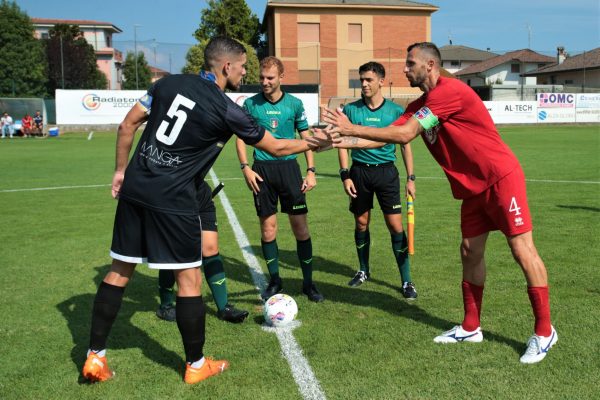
<point>189,120</point>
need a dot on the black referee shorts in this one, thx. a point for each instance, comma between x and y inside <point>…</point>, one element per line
<point>379,179</point>
<point>282,181</point>
<point>164,241</point>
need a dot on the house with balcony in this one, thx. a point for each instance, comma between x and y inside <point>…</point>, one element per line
<point>100,36</point>
<point>324,42</point>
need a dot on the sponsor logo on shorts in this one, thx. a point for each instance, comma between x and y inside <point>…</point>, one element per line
<point>299,207</point>
<point>519,221</point>
<point>395,206</point>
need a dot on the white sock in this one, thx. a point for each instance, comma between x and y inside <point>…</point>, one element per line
<point>198,364</point>
<point>99,353</point>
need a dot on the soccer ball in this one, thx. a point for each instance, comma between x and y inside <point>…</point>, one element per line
<point>280,309</point>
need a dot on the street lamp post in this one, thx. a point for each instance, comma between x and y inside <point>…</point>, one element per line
<point>135,26</point>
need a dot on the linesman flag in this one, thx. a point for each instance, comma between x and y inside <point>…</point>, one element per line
<point>411,224</point>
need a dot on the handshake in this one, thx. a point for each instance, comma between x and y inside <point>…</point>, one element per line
<point>332,134</point>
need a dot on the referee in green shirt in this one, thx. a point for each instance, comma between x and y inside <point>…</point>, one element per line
<point>274,179</point>
<point>373,172</point>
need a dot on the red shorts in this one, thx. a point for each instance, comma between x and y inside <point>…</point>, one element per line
<point>503,206</point>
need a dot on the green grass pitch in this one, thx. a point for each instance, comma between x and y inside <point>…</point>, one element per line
<point>365,343</point>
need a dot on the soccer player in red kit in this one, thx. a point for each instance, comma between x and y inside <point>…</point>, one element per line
<point>483,172</point>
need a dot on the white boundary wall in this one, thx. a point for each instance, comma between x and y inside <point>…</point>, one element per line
<point>109,107</point>
<point>549,108</point>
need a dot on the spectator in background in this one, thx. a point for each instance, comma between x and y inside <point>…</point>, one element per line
<point>38,123</point>
<point>7,125</point>
<point>27,125</point>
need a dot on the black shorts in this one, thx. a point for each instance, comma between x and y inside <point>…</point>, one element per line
<point>164,241</point>
<point>206,207</point>
<point>380,179</point>
<point>281,181</point>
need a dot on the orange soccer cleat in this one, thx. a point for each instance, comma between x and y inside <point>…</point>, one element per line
<point>96,368</point>
<point>211,367</point>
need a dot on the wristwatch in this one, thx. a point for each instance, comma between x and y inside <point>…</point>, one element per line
<point>411,178</point>
<point>311,169</point>
<point>243,165</point>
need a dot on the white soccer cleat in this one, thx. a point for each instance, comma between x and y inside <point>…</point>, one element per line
<point>458,334</point>
<point>538,346</point>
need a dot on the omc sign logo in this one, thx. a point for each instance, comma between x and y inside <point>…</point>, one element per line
<point>91,102</point>
<point>566,100</point>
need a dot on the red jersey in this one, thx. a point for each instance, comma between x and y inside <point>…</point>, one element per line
<point>464,139</point>
<point>27,122</point>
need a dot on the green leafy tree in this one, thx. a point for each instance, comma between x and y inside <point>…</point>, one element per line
<point>144,75</point>
<point>22,59</point>
<point>195,61</point>
<point>72,60</point>
<point>230,18</point>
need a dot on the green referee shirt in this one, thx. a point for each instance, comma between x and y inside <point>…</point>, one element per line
<point>360,114</point>
<point>281,118</point>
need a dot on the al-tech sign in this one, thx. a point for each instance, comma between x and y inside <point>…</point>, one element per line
<point>92,107</point>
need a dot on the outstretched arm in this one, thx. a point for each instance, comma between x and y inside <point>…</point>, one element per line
<point>401,134</point>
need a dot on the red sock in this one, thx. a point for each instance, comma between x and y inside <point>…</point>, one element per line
<point>540,303</point>
<point>472,297</point>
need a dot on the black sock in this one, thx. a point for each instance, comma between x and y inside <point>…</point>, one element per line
<point>166,282</point>
<point>305,255</point>
<point>191,317</point>
<point>106,307</point>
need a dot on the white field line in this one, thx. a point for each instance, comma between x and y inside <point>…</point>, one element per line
<point>309,386</point>
<point>318,176</point>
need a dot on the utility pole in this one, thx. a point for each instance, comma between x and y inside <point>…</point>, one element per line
<point>528,35</point>
<point>62,63</point>
<point>135,26</point>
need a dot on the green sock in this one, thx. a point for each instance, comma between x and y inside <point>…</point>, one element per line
<point>400,248</point>
<point>305,255</point>
<point>215,277</point>
<point>363,243</point>
<point>166,281</point>
<point>271,254</point>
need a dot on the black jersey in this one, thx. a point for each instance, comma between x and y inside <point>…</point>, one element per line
<point>190,120</point>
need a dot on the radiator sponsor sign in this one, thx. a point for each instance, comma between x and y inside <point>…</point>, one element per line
<point>94,107</point>
<point>109,107</point>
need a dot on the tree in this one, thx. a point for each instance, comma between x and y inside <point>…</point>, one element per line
<point>230,18</point>
<point>195,61</point>
<point>72,60</point>
<point>144,75</point>
<point>22,60</point>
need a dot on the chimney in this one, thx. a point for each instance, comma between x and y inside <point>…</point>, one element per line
<point>560,54</point>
